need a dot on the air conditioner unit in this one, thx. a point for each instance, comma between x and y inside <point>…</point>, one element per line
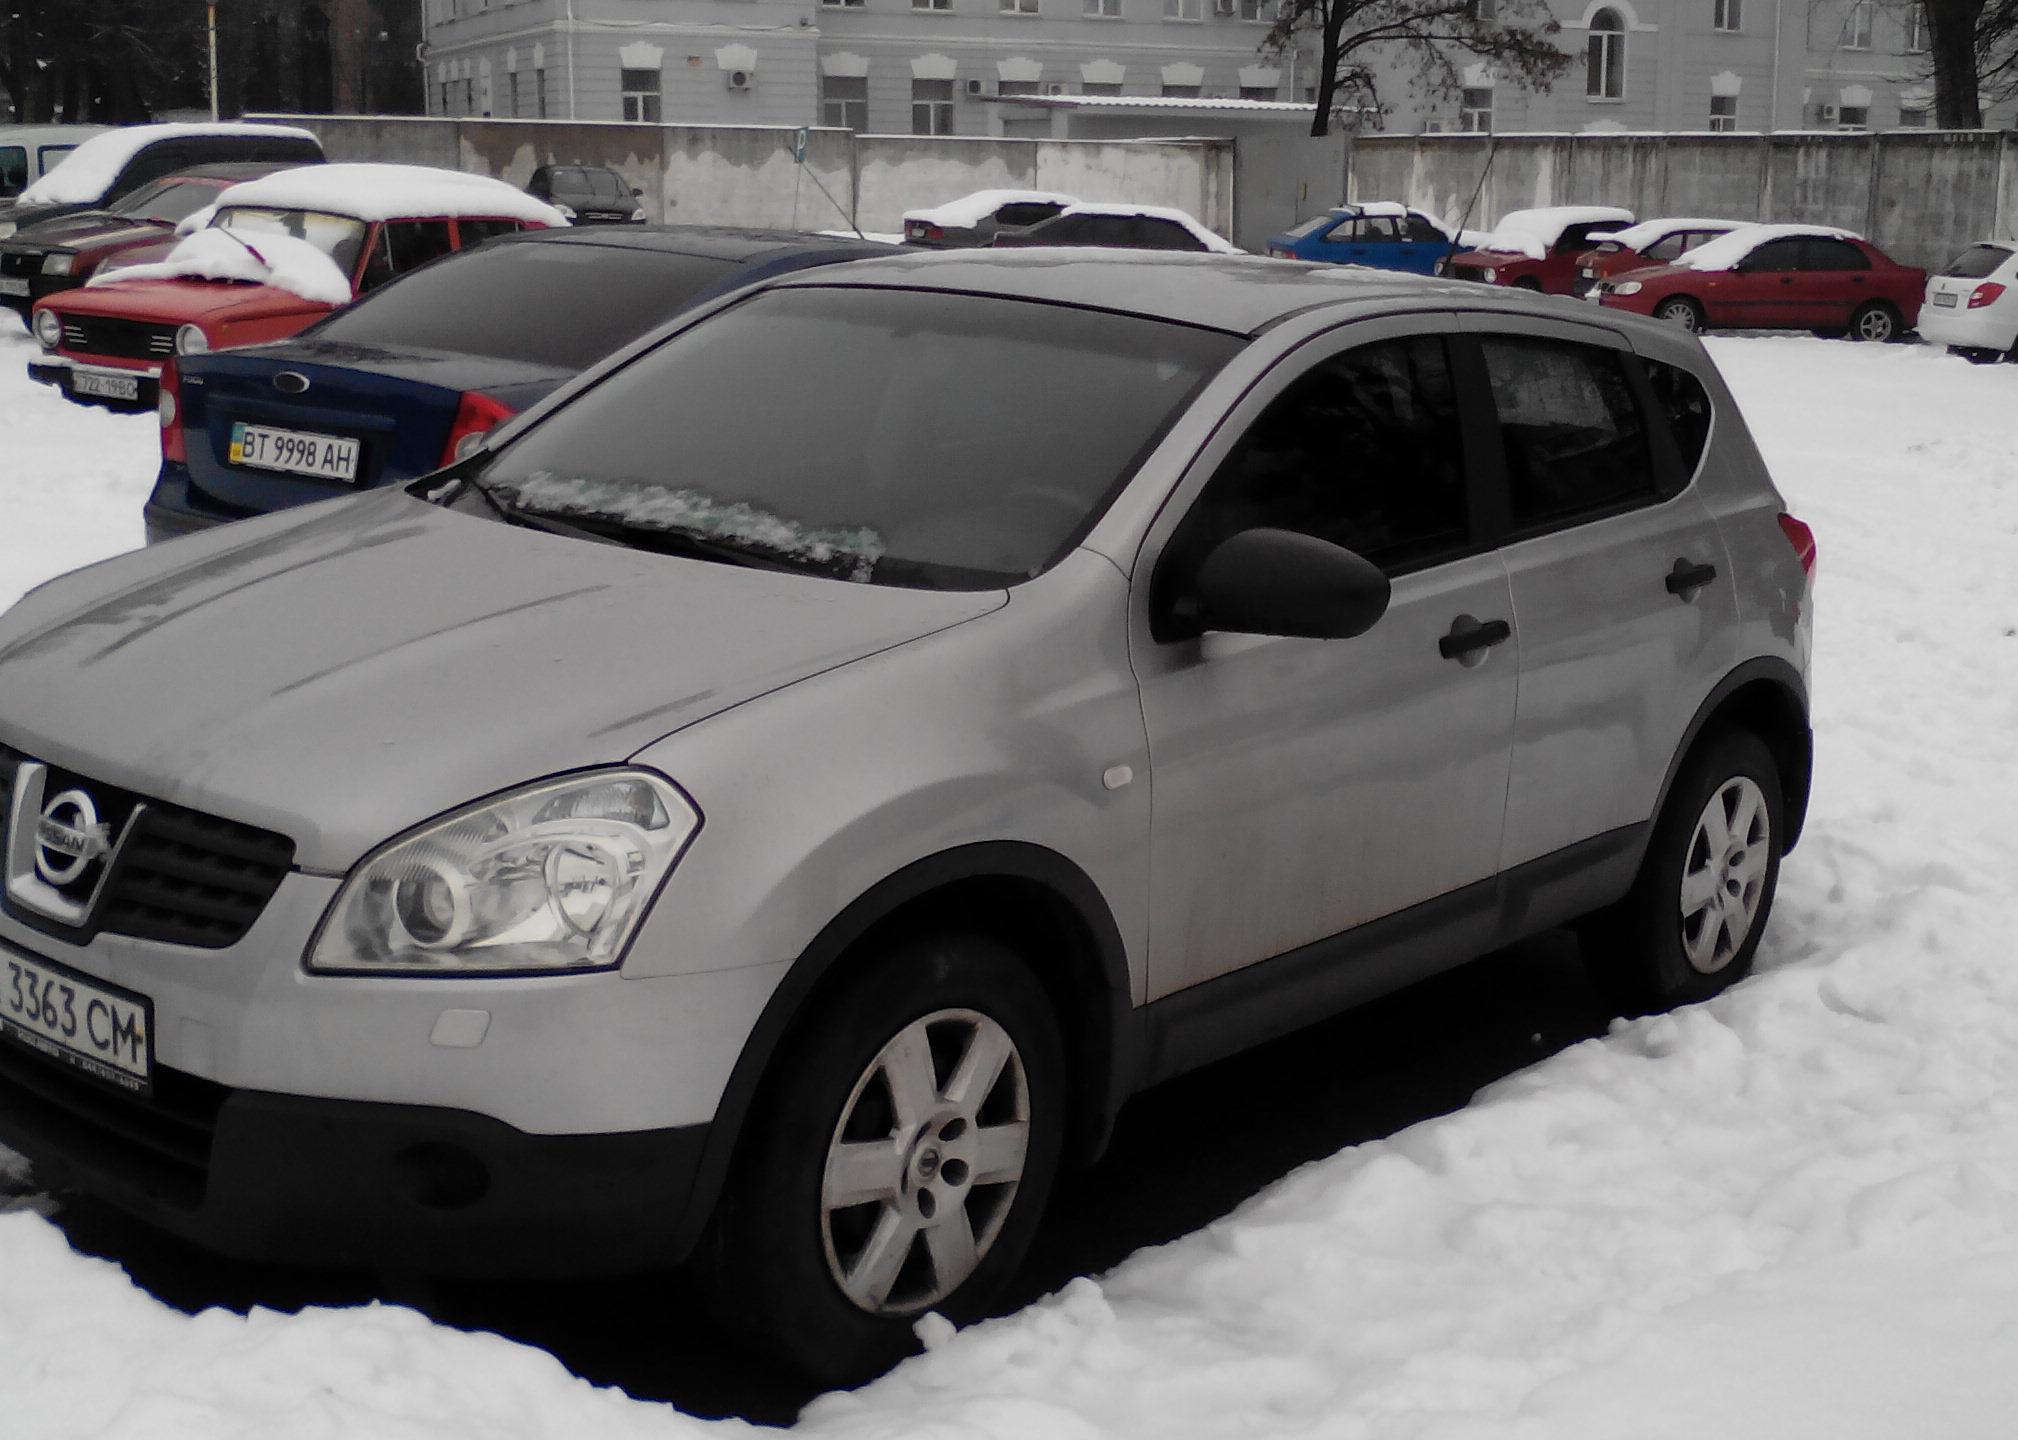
<point>1432,127</point>
<point>1225,7</point>
<point>1054,89</point>
<point>739,79</point>
<point>980,87</point>
<point>1830,114</point>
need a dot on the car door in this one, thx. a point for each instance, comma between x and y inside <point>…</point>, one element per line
<point>1834,282</point>
<point>1344,243</point>
<point>1383,244</point>
<point>1763,289</point>
<point>1303,787</point>
<point>1426,246</point>
<point>1622,593</point>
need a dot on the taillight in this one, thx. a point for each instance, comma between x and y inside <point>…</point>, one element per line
<point>174,443</point>
<point>475,417</point>
<point>1985,294</point>
<point>1802,539</point>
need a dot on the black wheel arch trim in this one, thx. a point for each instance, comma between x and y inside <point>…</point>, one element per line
<point>1780,673</point>
<point>1111,1033</point>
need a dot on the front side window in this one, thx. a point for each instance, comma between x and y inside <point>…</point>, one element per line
<point>844,101</point>
<point>1772,258</point>
<point>931,439</point>
<point>1363,451</point>
<point>13,170</point>
<point>1605,57</point>
<point>1821,252</point>
<point>1575,441</point>
<point>404,245</point>
<point>1018,213</point>
<point>1668,247</point>
<point>931,107</point>
<point>641,95</point>
<point>1723,112</point>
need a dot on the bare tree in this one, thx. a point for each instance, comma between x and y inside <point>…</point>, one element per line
<point>1426,41</point>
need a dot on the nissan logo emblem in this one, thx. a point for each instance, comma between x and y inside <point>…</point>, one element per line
<point>290,382</point>
<point>68,838</point>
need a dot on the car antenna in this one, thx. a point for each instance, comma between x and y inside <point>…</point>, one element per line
<point>1477,190</point>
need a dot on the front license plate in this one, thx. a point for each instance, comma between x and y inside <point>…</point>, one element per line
<point>98,1029</point>
<point>105,387</point>
<point>9,285</point>
<point>298,452</point>
<point>1943,297</point>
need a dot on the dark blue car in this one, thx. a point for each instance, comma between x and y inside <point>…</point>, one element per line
<point>412,377</point>
<point>1380,234</point>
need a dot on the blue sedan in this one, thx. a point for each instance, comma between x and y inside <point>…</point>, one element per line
<point>413,376</point>
<point>1380,234</point>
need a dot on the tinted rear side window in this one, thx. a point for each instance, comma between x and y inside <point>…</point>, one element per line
<point>1823,253</point>
<point>13,169</point>
<point>1977,261</point>
<point>552,304</point>
<point>1025,212</point>
<point>1686,406</point>
<point>1576,443</point>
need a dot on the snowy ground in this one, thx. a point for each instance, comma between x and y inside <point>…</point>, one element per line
<point>1791,1213</point>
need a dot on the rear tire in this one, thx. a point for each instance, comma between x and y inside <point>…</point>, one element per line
<point>1681,311</point>
<point>1691,924</point>
<point>832,1250</point>
<point>1876,323</point>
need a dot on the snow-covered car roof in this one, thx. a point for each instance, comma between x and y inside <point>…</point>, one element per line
<point>1217,244</point>
<point>1533,232</point>
<point>1724,252</point>
<point>1647,232</point>
<point>971,210</point>
<point>367,191</point>
<point>86,171</point>
<point>1389,210</point>
<point>281,261</point>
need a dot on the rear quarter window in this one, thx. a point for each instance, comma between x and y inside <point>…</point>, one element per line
<point>1681,401</point>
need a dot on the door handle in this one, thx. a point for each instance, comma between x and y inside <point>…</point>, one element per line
<point>1469,639</point>
<point>1688,577</point>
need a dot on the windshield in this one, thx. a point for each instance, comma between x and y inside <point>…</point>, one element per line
<point>337,236</point>
<point>1312,227</point>
<point>166,201</point>
<point>1977,261</point>
<point>571,303</point>
<point>893,437</point>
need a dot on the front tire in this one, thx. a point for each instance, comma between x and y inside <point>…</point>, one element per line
<point>1876,323</point>
<point>901,1156</point>
<point>1692,922</point>
<point>1683,312</point>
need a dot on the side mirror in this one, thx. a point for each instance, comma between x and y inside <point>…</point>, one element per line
<point>636,193</point>
<point>1278,582</point>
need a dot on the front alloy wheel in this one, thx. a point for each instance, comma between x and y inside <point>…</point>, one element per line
<point>1724,876</point>
<point>1874,324</point>
<point>1680,312</point>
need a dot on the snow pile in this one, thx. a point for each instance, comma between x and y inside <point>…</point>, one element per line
<point>281,261</point>
<point>971,210</point>
<point>1648,232</point>
<point>91,167</point>
<point>367,191</point>
<point>1204,236</point>
<point>1790,1214</point>
<point>1533,233</point>
<point>1724,252</point>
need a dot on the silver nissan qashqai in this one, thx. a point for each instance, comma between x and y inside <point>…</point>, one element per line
<point>779,799</point>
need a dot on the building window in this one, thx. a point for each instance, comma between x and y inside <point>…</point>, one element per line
<point>1263,11</point>
<point>1180,92</point>
<point>841,4</point>
<point>1605,57</point>
<point>1915,117</point>
<point>1101,87</point>
<point>1483,12</point>
<point>1017,7</point>
<point>1019,87</point>
<point>1183,10</point>
<point>1723,113</point>
<point>1101,9</point>
<point>942,6</point>
<point>844,101</point>
<point>446,103</point>
<point>515,93</point>
<point>1857,27</point>
<point>1853,117</point>
<point>931,107</point>
<point>1916,30</point>
<point>641,95</point>
<point>540,92</point>
<point>1475,108</point>
<point>1257,92</point>
<point>1729,15</point>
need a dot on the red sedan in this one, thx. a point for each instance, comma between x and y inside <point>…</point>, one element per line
<point>280,253</point>
<point>1778,277</point>
<point>1651,242</point>
<point>1537,249</point>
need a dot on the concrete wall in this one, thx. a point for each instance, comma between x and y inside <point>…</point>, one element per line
<point>1920,196</point>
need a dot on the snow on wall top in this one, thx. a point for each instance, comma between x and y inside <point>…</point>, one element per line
<point>972,209</point>
<point>1724,252</point>
<point>1204,236</point>
<point>277,260</point>
<point>84,174</point>
<point>1533,232</point>
<point>366,191</point>
<point>1640,236</point>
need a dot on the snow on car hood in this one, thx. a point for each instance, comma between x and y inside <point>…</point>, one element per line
<point>1534,232</point>
<point>971,210</point>
<point>1724,252</point>
<point>344,672</point>
<point>280,261</point>
<point>84,174</point>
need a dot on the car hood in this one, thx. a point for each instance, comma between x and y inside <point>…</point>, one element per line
<point>26,215</point>
<point>344,672</point>
<point>1499,259</point>
<point>178,301</point>
<point>90,227</point>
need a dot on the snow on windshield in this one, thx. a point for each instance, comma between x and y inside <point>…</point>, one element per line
<point>216,254</point>
<point>973,209</point>
<point>391,192</point>
<point>1724,252</point>
<point>666,508</point>
<point>90,169</point>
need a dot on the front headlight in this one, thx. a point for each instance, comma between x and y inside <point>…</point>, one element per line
<point>7,228</point>
<point>190,340</point>
<point>638,214</point>
<point>1627,287</point>
<point>48,329</point>
<point>57,264</point>
<point>552,877</point>
<point>1491,275</point>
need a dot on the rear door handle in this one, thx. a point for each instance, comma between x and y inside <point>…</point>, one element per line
<point>1688,577</point>
<point>1469,639</point>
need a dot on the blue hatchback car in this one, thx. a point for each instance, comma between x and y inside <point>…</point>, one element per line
<point>1376,233</point>
<point>411,377</point>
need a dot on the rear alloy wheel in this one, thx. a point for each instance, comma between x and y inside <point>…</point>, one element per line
<point>900,1157</point>
<point>1875,323</point>
<point>1680,311</point>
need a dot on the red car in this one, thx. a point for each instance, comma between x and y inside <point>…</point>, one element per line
<point>1651,242</point>
<point>1778,277</point>
<point>279,254</point>
<point>1537,249</point>
<point>61,254</point>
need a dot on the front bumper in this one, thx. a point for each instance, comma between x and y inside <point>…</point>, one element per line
<point>285,1178</point>
<point>64,373</point>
